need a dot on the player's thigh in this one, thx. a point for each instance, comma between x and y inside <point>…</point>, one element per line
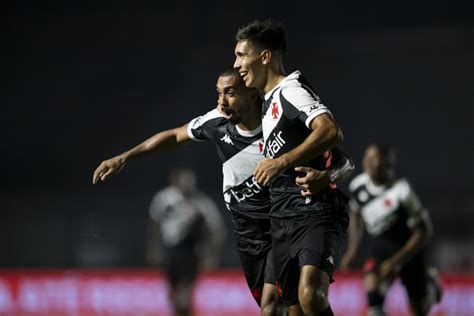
<point>315,279</point>
<point>295,310</point>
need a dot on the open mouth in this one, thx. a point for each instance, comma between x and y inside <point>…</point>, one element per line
<point>243,74</point>
<point>227,113</point>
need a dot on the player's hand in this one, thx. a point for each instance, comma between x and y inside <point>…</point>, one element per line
<point>313,181</point>
<point>108,167</point>
<point>268,170</point>
<point>347,262</point>
<point>389,269</point>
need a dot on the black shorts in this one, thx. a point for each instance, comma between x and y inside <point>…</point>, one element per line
<point>180,266</point>
<point>252,234</point>
<point>301,241</point>
<point>258,270</point>
<point>413,273</point>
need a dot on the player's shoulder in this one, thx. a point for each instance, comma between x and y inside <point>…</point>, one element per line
<point>168,195</point>
<point>402,186</point>
<point>359,181</point>
<point>292,83</point>
<point>296,89</point>
<point>211,117</point>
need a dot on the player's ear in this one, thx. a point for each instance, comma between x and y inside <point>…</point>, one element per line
<point>266,56</point>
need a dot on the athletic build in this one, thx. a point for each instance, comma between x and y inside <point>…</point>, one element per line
<point>399,227</point>
<point>298,130</point>
<point>235,130</point>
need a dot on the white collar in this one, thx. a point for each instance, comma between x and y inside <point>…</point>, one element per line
<point>295,74</point>
<point>248,133</point>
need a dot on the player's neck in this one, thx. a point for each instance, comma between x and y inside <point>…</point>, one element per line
<point>252,120</point>
<point>250,124</point>
<point>384,180</point>
<point>274,77</point>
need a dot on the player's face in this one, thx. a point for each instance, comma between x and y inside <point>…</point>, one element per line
<point>234,99</point>
<point>374,165</point>
<point>248,62</point>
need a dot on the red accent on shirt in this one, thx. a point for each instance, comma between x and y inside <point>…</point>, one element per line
<point>275,110</point>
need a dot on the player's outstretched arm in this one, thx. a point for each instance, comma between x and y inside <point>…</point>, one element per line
<point>325,135</point>
<point>162,141</point>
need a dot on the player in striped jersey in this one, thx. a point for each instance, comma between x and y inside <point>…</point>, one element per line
<point>399,228</point>
<point>298,130</point>
<point>235,129</point>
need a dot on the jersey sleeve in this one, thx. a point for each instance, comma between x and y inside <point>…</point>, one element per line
<point>342,171</point>
<point>354,188</point>
<point>417,214</point>
<point>300,103</point>
<point>202,127</point>
<point>157,206</point>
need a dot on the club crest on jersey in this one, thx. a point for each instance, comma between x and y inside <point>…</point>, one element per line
<point>275,110</point>
<point>226,139</point>
<point>260,146</point>
<point>274,145</point>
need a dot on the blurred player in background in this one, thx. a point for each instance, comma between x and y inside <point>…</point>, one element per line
<point>185,235</point>
<point>399,227</point>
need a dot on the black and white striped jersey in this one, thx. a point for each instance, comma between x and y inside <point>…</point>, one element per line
<point>182,219</point>
<point>240,151</point>
<point>287,113</point>
<point>387,211</point>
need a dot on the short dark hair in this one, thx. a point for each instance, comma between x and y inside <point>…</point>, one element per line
<point>230,71</point>
<point>264,34</point>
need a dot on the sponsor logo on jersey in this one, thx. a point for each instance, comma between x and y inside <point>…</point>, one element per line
<point>247,189</point>
<point>275,110</point>
<point>312,108</point>
<point>274,146</point>
<point>197,122</point>
<point>226,139</point>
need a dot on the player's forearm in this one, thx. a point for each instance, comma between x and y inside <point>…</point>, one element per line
<point>354,234</point>
<point>416,241</point>
<point>166,140</point>
<point>321,139</point>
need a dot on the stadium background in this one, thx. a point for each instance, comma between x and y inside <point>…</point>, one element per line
<point>85,81</point>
